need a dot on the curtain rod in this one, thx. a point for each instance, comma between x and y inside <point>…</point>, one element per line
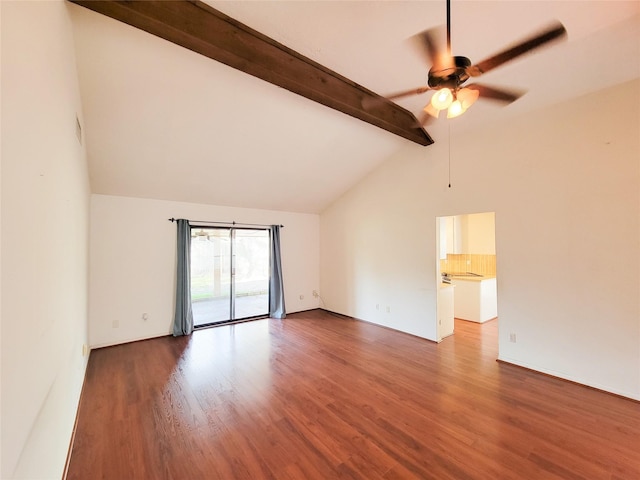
<point>227,223</point>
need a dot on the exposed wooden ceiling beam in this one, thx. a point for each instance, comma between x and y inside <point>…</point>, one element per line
<point>201,28</point>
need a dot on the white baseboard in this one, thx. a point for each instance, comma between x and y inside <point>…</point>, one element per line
<point>563,376</point>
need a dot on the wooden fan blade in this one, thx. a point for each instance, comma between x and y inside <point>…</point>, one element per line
<point>432,45</point>
<point>499,94</point>
<point>552,32</point>
<point>406,93</point>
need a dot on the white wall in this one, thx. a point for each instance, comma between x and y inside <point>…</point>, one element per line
<point>133,256</point>
<point>378,252</point>
<point>564,185</point>
<point>45,221</point>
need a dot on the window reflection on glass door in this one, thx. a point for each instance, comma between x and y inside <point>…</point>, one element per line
<point>229,274</point>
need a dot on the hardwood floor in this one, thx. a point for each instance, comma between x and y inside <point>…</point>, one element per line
<point>318,396</point>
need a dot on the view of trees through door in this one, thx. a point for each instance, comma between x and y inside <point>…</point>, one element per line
<point>229,274</point>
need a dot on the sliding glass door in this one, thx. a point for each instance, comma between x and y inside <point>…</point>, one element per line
<point>251,272</point>
<point>229,274</point>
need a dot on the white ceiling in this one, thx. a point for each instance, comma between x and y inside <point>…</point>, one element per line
<point>163,122</point>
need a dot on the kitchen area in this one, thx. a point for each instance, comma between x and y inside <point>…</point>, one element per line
<point>467,270</point>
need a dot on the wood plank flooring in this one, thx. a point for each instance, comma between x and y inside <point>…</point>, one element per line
<point>319,396</point>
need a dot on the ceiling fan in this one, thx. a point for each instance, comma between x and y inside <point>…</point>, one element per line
<point>448,73</point>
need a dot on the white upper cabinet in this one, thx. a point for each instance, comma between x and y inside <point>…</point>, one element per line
<point>470,234</point>
<point>454,233</point>
<point>479,233</point>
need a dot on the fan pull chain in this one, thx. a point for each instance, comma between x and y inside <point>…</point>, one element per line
<point>449,125</point>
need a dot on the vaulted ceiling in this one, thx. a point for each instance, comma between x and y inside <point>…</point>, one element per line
<point>163,122</point>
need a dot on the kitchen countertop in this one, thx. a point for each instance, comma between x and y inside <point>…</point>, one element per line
<point>470,278</point>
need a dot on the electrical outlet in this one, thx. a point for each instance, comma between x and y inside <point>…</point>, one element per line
<point>512,337</point>
<point>301,297</point>
<point>115,324</point>
<point>85,349</point>
<point>145,317</point>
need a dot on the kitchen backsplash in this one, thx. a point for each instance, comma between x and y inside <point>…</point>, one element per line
<point>465,262</point>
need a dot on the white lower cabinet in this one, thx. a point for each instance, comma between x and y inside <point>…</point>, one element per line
<point>475,299</point>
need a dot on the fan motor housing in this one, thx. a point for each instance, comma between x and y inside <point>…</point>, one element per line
<point>450,77</point>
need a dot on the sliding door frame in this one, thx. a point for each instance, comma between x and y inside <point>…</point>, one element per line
<point>232,264</point>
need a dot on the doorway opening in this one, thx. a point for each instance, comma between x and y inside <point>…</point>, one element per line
<point>229,274</point>
<point>466,270</point>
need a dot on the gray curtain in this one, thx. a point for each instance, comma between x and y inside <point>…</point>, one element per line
<point>183,319</point>
<point>276,289</point>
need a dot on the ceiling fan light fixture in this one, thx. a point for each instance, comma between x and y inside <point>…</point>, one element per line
<point>455,109</point>
<point>442,99</point>
<point>467,97</point>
